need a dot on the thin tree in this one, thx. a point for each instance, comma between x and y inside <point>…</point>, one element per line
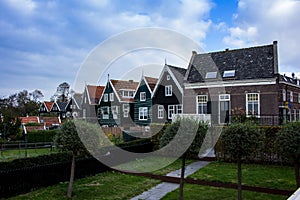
<point>68,139</point>
<point>241,140</point>
<point>191,128</point>
<point>288,145</point>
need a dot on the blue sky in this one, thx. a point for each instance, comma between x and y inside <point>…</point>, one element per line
<point>43,43</point>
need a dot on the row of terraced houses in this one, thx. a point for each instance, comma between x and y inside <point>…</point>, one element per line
<point>215,87</point>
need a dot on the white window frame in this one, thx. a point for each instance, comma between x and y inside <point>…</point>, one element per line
<point>111,96</point>
<point>126,108</point>
<point>203,102</point>
<point>105,116</point>
<point>168,77</point>
<point>160,112</point>
<point>211,75</point>
<point>143,96</point>
<point>283,95</point>
<point>130,93</point>
<point>291,96</point>
<point>143,113</point>
<point>83,113</point>
<point>253,102</point>
<point>168,90</point>
<point>105,98</point>
<point>174,110</point>
<point>299,98</point>
<point>115,111</point>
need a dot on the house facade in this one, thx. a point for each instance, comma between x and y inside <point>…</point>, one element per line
<point>143,101</point>
<point>115,107</point>
<point>167,98</point>
<point>220,85</point>
<point>90,100</point>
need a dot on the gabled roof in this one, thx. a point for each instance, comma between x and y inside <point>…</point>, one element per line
<point>94,93</point>
<point>151,82</point>
<point>120,85</point>
<point>50,121</point>
<point>177,74</point>
<point>75,100</point>
<point>62,106</point>
<point>248,63</point>
<point>30,119</point>
<point>48,105</point>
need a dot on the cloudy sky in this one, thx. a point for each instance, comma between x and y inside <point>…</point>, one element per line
<point>45,42</point>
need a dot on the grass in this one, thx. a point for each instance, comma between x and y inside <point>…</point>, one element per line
<point>114,185</point>
<point>9,155</point>
<point>277,177</point>
<point>108,185</point>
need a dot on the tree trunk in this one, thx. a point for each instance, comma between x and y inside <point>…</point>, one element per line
<point>182,176</point>
<point>297,173</point>
<point>239,179</point>
<point>70,187</point>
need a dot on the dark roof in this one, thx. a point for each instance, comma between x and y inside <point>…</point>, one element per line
<point>179,73</point>
<point>62,106</point>
<point>77,97</point>
<point>248,63</point>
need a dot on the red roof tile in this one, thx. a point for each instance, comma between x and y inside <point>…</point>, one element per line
<point>48,105</point>
<point>31,119</point>
<point>94,93</point>
<point>151,82</point>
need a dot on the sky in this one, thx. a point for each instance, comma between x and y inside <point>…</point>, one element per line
<point>45,42</point>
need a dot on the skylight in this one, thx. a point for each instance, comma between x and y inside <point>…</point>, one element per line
<point>229,73</point>
<point>211,75</point>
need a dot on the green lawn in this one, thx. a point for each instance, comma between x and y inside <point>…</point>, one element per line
<point>277,177</point>
<point>9,155</point>
<point>114,185</point>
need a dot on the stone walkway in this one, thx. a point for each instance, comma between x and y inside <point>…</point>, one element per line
<point>162,189</point>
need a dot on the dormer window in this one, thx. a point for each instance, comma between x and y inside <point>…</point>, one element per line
<point>127,93</point>
<point>229,73</point>
<point>210,75</point>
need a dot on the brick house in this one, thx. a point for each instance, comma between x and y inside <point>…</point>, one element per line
<point>219,85</point>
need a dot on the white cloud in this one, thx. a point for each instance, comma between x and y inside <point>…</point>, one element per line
<point>22,6</point>
<point>262,22</point>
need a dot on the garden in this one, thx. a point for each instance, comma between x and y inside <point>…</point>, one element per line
<point>251,162</point>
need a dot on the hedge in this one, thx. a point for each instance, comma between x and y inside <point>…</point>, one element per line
<point>40,136</point>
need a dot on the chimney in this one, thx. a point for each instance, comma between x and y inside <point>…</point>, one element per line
<point>226,49</point>
<point>275,53</point>
<point>130,81</point>
<point>293,75</point>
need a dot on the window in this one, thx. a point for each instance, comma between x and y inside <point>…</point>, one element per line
<point>127,93</point>
<point>111,96</point>
<point>253,106</point>
<point>160,112</point>
<point>115,111</point>
<point>84,113</point>
<point>211,75</point>
<point>291,96</point>
<point>283,95</point>
<point>202,104</point>
<point>105,112</point>
<point>229,73</point>
<point>105,97</point>
<point>168,77</point>
<point>174,110</point>
<point>299,98</point>
<point>168,90</point>
<point>143,96</point>
<point>125,110</point>
<point>143,113</point>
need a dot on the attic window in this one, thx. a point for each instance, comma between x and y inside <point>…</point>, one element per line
<point>229,73</point>
<point>211,75</point>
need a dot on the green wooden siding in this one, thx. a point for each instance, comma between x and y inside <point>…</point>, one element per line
<point>138,104</point>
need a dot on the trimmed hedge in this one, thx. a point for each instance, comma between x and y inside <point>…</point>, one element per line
<point>266,153</point>
<point>157,130</point>
<point>40,136</point>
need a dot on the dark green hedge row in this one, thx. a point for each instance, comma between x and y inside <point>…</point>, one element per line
<point>157,131</point>
<point>266,153</point>
<point>35,161</point>
<point>41,136</point>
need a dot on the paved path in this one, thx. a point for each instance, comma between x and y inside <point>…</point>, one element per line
<point>162,189</point>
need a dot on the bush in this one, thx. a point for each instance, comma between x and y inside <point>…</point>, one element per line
<point>157,131</point>
<point>41,136</point>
